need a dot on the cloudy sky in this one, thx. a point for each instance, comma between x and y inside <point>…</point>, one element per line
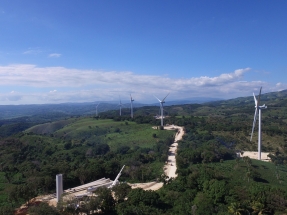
<point>82,51</point>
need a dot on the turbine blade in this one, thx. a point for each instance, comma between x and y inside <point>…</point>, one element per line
<point>165,97</point>
<point>258,102</point>
<point>255,100</point>
<point>157,99</point>
<point>254,123</point>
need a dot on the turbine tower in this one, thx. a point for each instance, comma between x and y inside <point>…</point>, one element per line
<point>120,104</point>
<point>132,112</point>
<point>258,109</point>
<point>97,109</point>
<point>161,108</point>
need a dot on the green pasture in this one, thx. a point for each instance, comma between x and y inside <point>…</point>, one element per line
<point>48,128</point>
<point>136,135</point>
<point>114,133</point>
<point>267,173</point>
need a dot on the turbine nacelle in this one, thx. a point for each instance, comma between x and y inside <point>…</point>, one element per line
<point>161,101</point>
<point>132,112</point>
<point>131,98</point>
<point>161,107</point>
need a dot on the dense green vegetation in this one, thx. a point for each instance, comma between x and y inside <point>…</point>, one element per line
<point>211,180</point>
<point>83,149</point>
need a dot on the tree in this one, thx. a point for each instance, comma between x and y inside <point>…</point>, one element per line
<point>43,208</point>
<point>68,145</point>
<point>67,205</point>
<point>121,191</point>
<point>248,174</point>
<point>88,205</point>
<point>247,160</point>
<point>107,202</point>
<point>216,190</point>
<point>258,208</point>
<point>237,163</point>
<point>126,209</point>
<point>8,176</point>
<point>235,209</point>
<point>5,210</point>
<point>204,205</point>
<point>13,195</point>
<point>25,192</point>
<point>82,173</point>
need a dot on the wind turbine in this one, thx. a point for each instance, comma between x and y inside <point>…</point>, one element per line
<point>132,112</point>
<point>97,109</point>
<point>161,107</point>
<point>120,104</point>
<point>258,109</point>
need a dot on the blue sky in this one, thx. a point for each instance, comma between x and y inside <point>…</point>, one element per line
<point>81,51</point>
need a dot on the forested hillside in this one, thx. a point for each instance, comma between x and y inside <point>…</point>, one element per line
<point>211,180</point>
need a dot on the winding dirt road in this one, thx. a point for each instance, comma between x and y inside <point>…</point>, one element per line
<point>170,166</point>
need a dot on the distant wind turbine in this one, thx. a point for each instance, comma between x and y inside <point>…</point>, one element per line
<point>258,109</point>
<point>97,109</point>
<point>132,112</point>
<point>120,104</point>
<point>161,107</point>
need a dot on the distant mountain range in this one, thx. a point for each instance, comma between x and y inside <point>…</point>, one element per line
<point>16,118</point>
<point>88,108</point>
<point>68,109</point>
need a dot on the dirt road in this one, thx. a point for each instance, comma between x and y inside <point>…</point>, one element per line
<point>170,166</point>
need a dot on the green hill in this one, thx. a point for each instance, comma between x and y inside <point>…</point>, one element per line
<point>83,149</point>
<point>210,178</point>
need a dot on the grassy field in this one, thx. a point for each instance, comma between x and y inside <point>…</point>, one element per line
<point>48,128</point>
<point>114,133</point>
<point>267,173</point>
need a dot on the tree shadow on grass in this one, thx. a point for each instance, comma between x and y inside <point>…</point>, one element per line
<point>261,180</point>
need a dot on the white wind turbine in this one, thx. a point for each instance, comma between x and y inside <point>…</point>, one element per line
<point>132,112</point>
<point>120,104</point>
<point>258,109</point>
<point>97,109</point>
<point>161,107</point>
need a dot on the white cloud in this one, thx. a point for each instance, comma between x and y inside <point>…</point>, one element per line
<point>279,86</point>
<point>55,55</point>
<point>33,51</point>
<point>30,75</point>
<point>74,85</point>
<point>13,96</point>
